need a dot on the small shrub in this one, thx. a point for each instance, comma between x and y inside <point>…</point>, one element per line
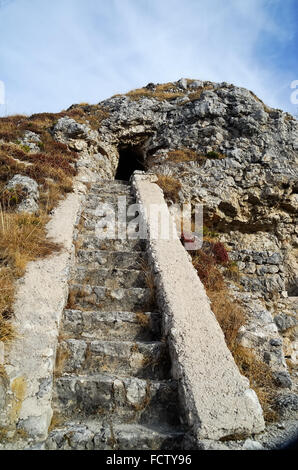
<point>209,274</point>
<point>10,198</point>
<point>220,253</point>
<point>232,271</point>
<point>170,186</point>
<point>260,378</point>
<point>215,155</point>
<point>26,148</point>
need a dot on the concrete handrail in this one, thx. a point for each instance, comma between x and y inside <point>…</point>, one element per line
<point>216,398</point>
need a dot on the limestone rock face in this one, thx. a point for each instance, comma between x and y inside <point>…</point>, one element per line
<point>248,187</point>
<point>248,184</point>
<point>245,177</point>
<point>95,158</point>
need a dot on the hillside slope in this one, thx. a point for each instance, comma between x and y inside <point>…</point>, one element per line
<point>210,143</point>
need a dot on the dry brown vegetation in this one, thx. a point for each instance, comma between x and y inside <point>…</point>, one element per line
<point>170,186</point>
<point>22,239</point>
<point>189,155</point>
<point>13,127</point>
<point>213,265</point>
<point>184,155</point>
<point>196,95</point>
<point>150,284</point>
<point>166,91</point>
<point>23,236</point>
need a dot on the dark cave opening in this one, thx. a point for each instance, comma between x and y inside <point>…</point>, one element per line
<point>130,159</point>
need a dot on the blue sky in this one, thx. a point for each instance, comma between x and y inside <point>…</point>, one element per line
<point>59,52</point>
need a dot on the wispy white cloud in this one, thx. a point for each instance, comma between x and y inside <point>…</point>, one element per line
<point>53,54</point>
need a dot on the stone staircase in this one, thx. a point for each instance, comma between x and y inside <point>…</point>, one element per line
<point>112,387</point>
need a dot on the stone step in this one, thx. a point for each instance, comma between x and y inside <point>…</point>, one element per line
<point>128,232</point>
<point>110,278</point>
<point>88,297</point>
<point>112,189</point>
<point>126,358</point>
<point>99,224</point>
<point>106,210</point>
<point>111,259</point>
<point>94,200</point>
<point>89,241</point>
<point>93,435</point>
<point>100,219</point>
<point>108,183</point>
<point>122,400</point>
<point>125,326</point>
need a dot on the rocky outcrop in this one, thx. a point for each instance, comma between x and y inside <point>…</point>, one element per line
<point>245,176</point>
<point>243,170</point>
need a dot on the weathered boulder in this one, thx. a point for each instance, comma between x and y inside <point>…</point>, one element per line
<point>32,141</point>
<point>30,203</point>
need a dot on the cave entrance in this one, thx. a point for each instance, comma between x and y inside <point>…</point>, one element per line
<point>130,159</point>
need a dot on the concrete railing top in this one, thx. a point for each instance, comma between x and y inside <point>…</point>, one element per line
<point>216,398</point>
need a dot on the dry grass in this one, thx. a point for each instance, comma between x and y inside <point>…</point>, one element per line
<point>166,91</point>
<point>61,357</point>
<point>56,422</point>
<point>289,117</point>
<point>170,186</point>
<point>229,315</point>
<point>92,115</point>
<point>196,95</point>
<point>12,128</point>
<point>6,301</point>
<point>260,378</point>
<point>150,284</point>
<point>232,272</point>
<point>10,198</point>
<point>143,319</point>
<point>22,239</point>
<point>208,272</point>
<point>23,236</point>
<point>184,155</point>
